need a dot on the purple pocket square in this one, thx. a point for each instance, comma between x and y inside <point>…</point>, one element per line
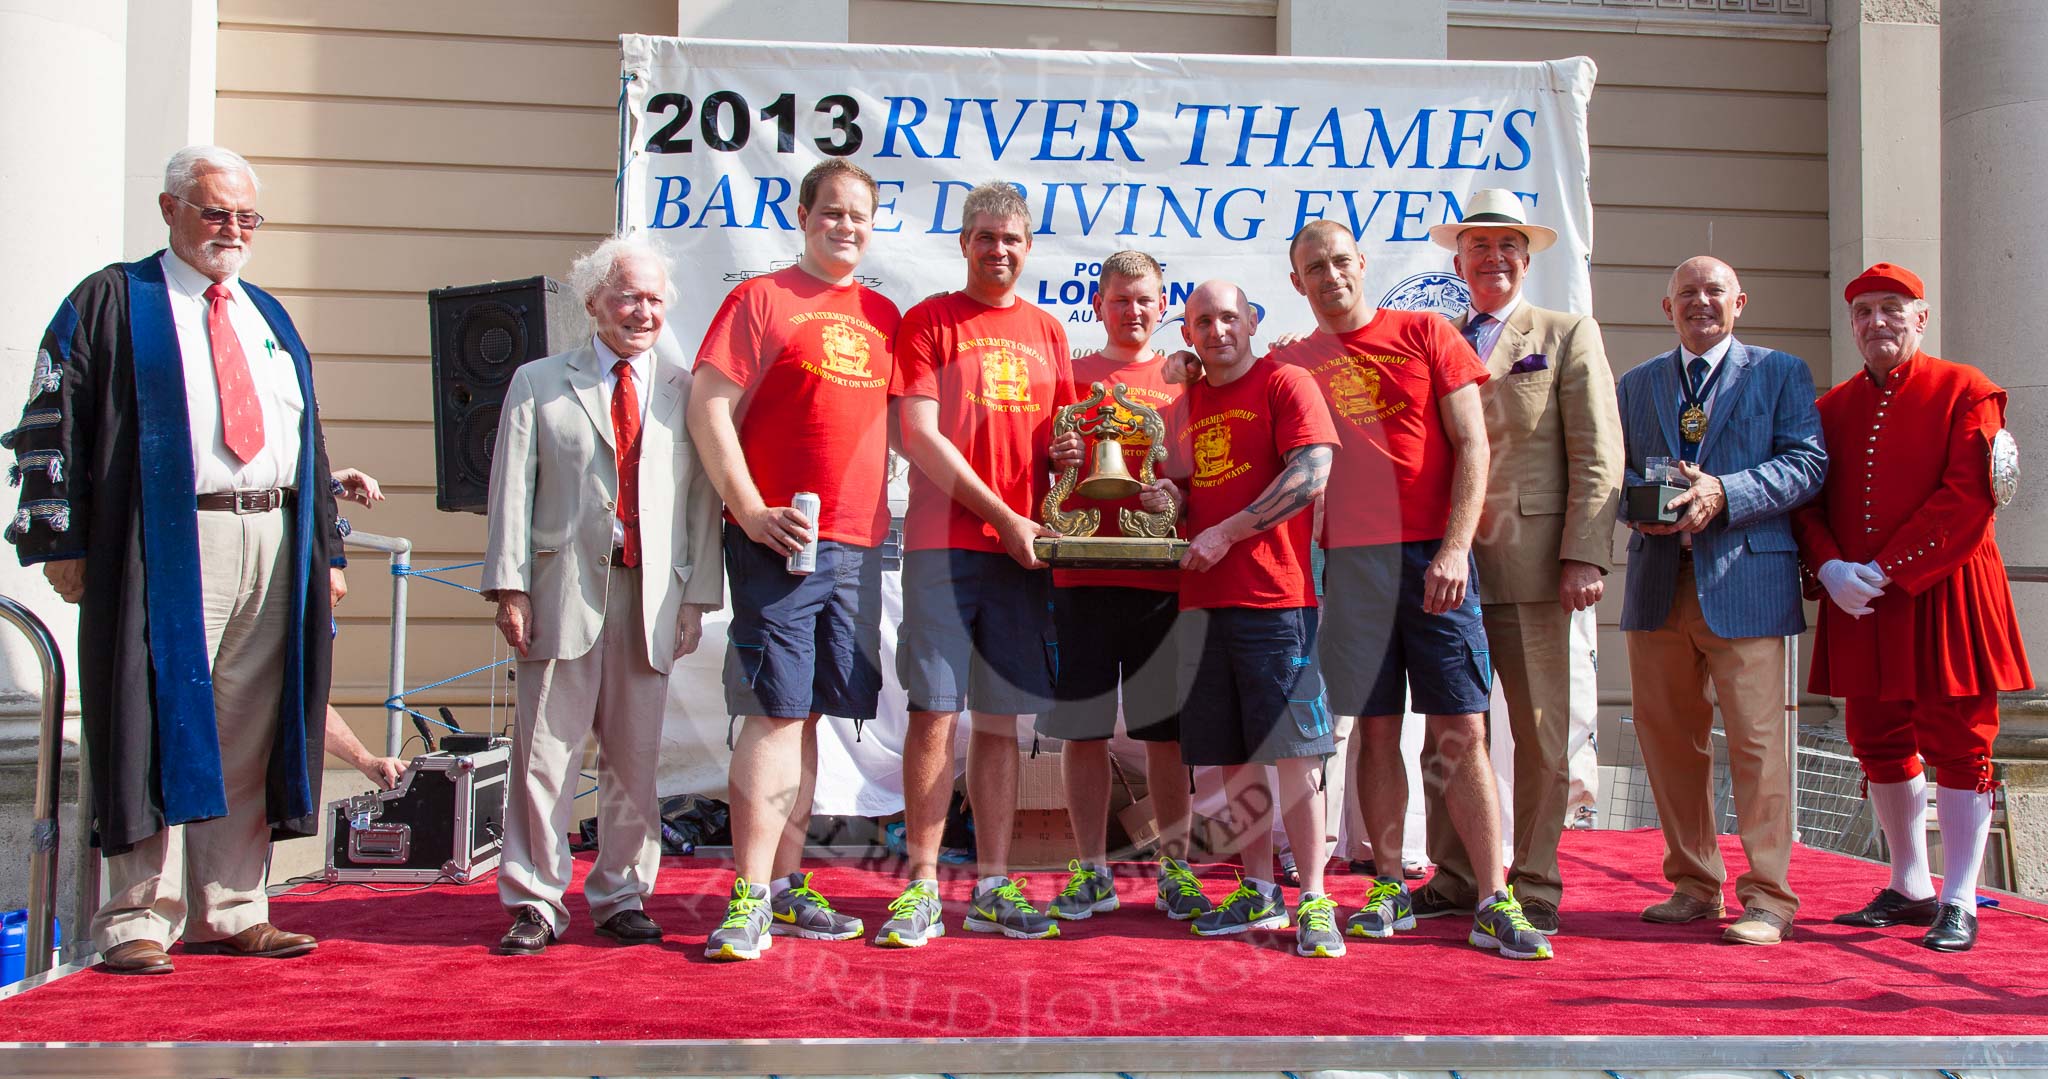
<point>1535,361</point>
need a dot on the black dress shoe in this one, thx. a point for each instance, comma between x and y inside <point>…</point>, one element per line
<point>1955,929</point>
<point>529,934</point>
<point>1364,867</point>
<point>1430,903</point>
<point>1541,915</point>
<point>630,927</point>
<point>1891,908</point>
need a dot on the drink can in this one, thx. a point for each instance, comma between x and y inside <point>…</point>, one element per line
<point>805,559</point>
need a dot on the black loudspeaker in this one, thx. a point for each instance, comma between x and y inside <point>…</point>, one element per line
<point>481,334</point>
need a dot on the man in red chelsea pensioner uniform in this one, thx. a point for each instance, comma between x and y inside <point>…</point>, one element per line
<point>792,394</point>
<point>1920,635</point>
<point>980,375</point>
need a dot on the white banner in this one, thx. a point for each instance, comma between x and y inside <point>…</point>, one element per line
<point>1208,163</point>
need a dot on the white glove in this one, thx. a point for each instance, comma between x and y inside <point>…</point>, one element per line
<point>1846,586</point>
<point>1873,573</point>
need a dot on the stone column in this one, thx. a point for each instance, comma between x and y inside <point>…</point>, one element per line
<point>62,81</point>
<point>1994,135</point>
<point>1884,168</point>
<point>1395,29</point>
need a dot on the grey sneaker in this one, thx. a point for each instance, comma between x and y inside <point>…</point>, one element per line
<point>1003,909</point>
<point>1180,892</point>
<point>1315,928</point>
<point>1247,908</point>
<point>1089,892</point>
<point>1388,907</point>
<point>1500,926</point>
<point>801,912</point>
<point>914,918</point>
<point>744,933</point>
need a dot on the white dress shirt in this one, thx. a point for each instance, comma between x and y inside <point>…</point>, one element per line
<point>276,381</point>
<point>1713,356</point>
<point>643,367</point>
<point>1489,334</point>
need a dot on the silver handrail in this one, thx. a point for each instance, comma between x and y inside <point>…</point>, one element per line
<point>42,861</point>
<point>400,550</point>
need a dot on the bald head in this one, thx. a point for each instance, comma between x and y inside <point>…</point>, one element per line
<point>1219,324</point>
<point>1703,300</point>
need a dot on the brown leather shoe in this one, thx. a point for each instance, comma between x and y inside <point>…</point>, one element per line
<point>259,941</point>
<point>1760,927</point>
<point>136,957</point>
<point>1682,908</point>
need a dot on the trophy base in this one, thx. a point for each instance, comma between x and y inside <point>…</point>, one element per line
<point>1109,552</point>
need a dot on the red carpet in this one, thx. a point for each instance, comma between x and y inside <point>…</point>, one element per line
<point>417,967</point>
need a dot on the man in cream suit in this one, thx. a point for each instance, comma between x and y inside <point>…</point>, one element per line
<point>1544,537</point>
<point>603,557</point>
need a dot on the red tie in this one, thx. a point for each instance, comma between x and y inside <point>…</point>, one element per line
<point>241,417</point>
<point>626,445</point>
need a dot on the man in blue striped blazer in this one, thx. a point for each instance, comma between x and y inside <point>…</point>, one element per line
<point>1713,595</point>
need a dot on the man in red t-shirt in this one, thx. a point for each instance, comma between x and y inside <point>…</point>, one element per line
<point>1251,446</point>
<point>1398,577</point>
<point>1115,628</point>
<point>980,375</point>
<point>791,394</point>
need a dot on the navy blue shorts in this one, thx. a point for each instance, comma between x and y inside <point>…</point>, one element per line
<point>1254,692</point>
<point>977,633</point>
<point>807,643</point>
<point>1109,635</point>
<point>1379,641</point>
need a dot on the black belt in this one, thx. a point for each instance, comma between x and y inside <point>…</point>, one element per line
<point>249,500</point>
<point>619,558</point>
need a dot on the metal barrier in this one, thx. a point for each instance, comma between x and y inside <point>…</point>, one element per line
<point>42,861</point>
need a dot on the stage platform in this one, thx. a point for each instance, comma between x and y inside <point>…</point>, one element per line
<point>404,983</point>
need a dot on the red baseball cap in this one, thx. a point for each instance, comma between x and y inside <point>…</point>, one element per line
<point>1886,277</point>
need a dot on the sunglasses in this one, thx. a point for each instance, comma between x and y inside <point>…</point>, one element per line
<point>219,218</point>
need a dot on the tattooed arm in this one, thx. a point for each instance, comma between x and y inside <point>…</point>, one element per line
<point>1292,491</point>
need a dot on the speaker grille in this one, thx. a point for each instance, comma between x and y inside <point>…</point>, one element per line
<point>491,341</point>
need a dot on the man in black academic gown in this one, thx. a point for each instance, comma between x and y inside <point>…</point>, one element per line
<point>174,485</point>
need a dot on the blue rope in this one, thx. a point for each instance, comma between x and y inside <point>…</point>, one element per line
<point>392,702</point>
<point>408,571</point>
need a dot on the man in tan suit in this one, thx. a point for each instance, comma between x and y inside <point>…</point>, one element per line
<point>1544,536</point>
<point>603,557</point>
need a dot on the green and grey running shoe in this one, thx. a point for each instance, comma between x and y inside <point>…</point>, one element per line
<point>1247,908</point>
<point>1003,909</point>
<point>1501,927</point>
<point>1315,927</point>
<point>801,912</point>
<point>1180,891</point>
<point>914,917</point>
<point>1387,907</point>
<point>1089,891</point>
<point>744,933</point>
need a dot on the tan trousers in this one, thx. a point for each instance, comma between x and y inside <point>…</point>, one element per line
<point>1669,668</point>
<point>1531,647</point>
<point>212,872</point>
<point>610,691</point>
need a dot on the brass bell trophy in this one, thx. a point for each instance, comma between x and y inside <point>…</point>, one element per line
<point>1148,542</point>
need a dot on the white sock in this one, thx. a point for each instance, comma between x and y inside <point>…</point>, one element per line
<point>1965,826</point>
<point>989,883</point>
<point>1262,885</point>
<point>1902,813</point>
<point>781,884</point>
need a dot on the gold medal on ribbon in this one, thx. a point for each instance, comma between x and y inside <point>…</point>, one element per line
<point>1692,424</point>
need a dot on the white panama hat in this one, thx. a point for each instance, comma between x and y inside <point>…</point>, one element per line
<point>1493,208</point>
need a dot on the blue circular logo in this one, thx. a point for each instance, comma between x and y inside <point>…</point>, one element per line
<point>1437,290</point>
